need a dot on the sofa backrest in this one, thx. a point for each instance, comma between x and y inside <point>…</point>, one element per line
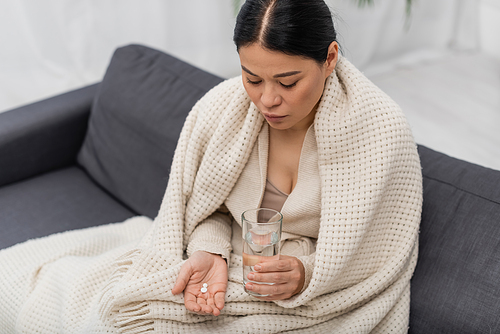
<point>456,285</point>
<point>136,119</point>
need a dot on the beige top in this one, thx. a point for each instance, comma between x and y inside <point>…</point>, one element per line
<point>273,197</point>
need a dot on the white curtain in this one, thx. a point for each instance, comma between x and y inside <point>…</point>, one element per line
<point>50,46</point>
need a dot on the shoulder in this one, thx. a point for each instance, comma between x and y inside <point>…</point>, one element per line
<point>366,102</point>
<point>357,116</point>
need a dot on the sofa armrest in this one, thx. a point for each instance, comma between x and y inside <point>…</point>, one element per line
<point>456,287</point>
<point>44,135</point>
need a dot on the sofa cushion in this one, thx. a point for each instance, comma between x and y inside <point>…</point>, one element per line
<point>135,122</point>
<point>456,286</point>
<point>62,200</point>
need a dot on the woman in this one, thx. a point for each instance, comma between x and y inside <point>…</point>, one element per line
<point>301,131</point>
<point>288,51</point>
<point>285,82</point>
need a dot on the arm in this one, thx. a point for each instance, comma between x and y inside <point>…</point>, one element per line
<point>308,263</point>
<point>213,235</point>
<point>208,250</point>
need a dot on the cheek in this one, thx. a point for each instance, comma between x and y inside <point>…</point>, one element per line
<point>309,96</point>
<point>317,90</point>
<point>252,93</point>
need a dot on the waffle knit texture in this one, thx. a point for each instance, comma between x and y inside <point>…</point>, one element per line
<point>371,197</point>
<point>221,233</point>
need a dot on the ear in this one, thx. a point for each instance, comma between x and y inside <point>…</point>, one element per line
<point>332,58</point>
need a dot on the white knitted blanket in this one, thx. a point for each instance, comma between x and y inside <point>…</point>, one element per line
<point>366,251</point>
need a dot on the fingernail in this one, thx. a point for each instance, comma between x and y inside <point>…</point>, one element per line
<point>249,286</point>
<point>251,276</point>
<point>257,267</point>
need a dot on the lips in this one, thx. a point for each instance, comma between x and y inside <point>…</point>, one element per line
<point>272,117</point>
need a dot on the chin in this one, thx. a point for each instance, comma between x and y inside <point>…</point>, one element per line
<point>278,126</point>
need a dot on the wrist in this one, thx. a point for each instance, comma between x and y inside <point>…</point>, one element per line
<point>302,277</point>
<point>208,247</point>
<point>215,255</point>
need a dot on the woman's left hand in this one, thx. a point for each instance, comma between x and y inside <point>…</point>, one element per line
<point>287,274</point>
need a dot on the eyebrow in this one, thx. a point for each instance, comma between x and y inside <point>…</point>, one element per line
<point>280,75</point>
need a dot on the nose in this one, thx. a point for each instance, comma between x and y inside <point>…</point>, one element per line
<point>270,98</point>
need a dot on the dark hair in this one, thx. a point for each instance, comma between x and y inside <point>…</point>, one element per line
<point>295,27</point>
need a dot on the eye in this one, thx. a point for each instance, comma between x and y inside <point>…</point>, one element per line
<point>288,86</point>
<point>254,82</point>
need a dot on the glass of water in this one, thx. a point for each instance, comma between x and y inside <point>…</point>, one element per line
<point>261,238</point>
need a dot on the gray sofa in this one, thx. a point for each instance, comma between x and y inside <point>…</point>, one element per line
<point>102,153</point>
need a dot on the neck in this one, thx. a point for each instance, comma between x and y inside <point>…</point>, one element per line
<point>290,136</point>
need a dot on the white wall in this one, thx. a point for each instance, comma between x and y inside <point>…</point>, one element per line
<point>489,27</point>
<point>51,46</point>
<point>380,37</point>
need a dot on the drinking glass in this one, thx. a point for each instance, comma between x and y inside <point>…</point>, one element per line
<point>261,239</point>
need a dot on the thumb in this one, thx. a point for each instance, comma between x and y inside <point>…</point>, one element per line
<point>182,279</point>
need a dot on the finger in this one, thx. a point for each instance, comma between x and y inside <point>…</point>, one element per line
<point>266,295</point>
<point>189,299</point>
<point>271,277</point>
<point>274,297</point>
<point>219,300</point>
<point>251,260</point>
<point>210,301</point>
<point>202,303</point>
<point>273,265</point>
<point>266,289</point>
<point>214,309</point>
<point>182,279</point>
<point>191,304</point>
<point>205,308</point>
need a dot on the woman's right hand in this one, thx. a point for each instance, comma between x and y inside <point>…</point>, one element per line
<point>203,267</point>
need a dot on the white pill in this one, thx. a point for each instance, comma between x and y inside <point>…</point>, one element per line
<point>203,290</point>
<point>205,285</point>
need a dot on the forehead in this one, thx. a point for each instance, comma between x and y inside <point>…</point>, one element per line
<point>262,61</point>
